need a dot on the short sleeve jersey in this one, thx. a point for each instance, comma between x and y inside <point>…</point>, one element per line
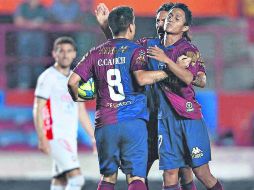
<point>151,90</point>
<point>180,95</point>
<point>112,64</point>
<point>60,115</point>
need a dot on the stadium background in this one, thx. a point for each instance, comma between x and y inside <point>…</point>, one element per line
<point>222,29</point>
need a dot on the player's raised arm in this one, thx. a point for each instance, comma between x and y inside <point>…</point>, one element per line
<point>101,13</point>
<point>39,104</point>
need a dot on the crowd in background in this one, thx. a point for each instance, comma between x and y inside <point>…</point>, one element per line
<point>40,22</point>
<point>33,40</point>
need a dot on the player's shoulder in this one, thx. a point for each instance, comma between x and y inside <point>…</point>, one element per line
<point>138,48</point>
<point>147,41</point>
<point>184,45</point>
<point>144,39</point>
<point>99,48</point>
<point>47,74</point>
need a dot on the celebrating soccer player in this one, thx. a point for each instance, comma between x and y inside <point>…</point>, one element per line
<point>185,173</point>
<point>183,136</point>
<point>56,118</point>
<point>118,67</point>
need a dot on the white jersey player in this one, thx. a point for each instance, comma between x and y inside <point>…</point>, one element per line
<point>56,118</point>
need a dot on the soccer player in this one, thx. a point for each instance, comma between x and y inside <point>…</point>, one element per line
<point>153,102</point>
<point>118,67</point>
<point>186,141</point>
<point>56,118</point>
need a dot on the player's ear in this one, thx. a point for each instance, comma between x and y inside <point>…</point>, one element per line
<point>53,53</point>
<point>186,28</point>
<point>132,28</point>
<point>74,54</point>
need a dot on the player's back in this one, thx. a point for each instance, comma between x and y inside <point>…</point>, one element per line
<point>118,95</point>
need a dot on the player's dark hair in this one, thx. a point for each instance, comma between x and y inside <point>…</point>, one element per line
<point>165,7</point>
<point>188,17</point>
<point>64,40</point>
<point>119,19</point>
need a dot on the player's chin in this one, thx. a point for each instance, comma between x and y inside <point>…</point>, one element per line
<point>160,34</point>
<point>170,31</point>
<point>66,64</point>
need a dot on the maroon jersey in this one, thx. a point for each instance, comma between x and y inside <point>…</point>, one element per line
<point>112,65</point>
<point>181,95</point>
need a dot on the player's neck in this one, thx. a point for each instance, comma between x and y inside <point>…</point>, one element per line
<point>170,39</point>
<point>122,35</point>
<point>63,70</point>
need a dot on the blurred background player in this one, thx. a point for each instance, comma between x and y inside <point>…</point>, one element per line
<point>56,118</point>
<point>121,135</point>
<point>183,136</point>
<point>153,101</point>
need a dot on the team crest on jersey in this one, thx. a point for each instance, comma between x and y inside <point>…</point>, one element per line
<point>141,59</point>
<point>196,153</point>
<point>189,107</point>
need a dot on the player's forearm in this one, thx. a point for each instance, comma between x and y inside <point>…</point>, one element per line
<point>149,77</point>
<point>106,30</point>
<point>73,87</point>
<point>87,125</point>
<point>73,90</point>
<point>183,74</point>
<point>200,80</point>
<point>38,122</point>
<point>85,120</point>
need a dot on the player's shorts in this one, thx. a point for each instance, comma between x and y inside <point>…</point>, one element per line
<point>64,155</point>
<point>123,145</point>
<point>152,128</point>
<point>182,142</point>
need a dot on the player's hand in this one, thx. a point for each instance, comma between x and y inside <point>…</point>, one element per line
<point>101,13</point>
<point>158,54</point>
<point>183,61</point>
<point>43,145</point>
